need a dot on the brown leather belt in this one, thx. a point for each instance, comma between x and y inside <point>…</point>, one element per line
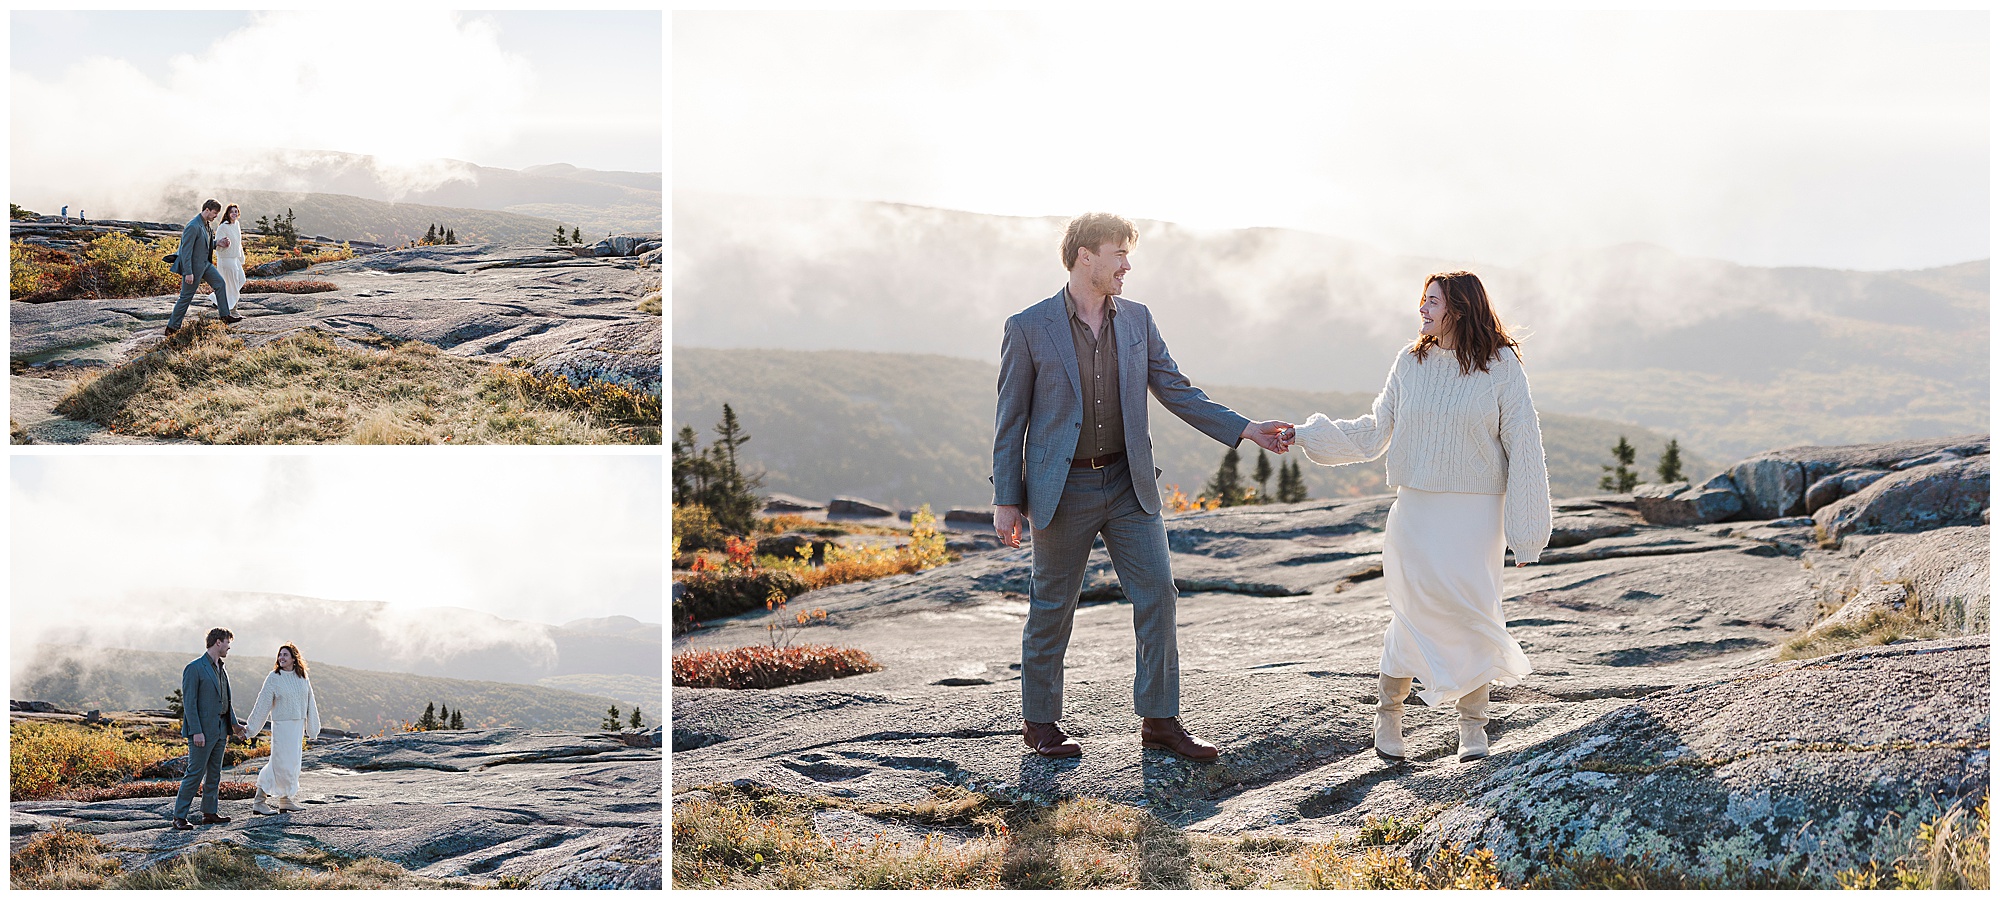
<point>1096,462</point>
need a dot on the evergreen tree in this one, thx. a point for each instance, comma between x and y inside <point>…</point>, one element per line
<point>286,232</point>
<point>611,722</point>
<point>444,716</point>
<point>263,224</point>
<point>1227,486</point>
<point>1620,480</point>
<point>636,721</point>
<point>457,719</point>
<point>1263,476</point>
<point>449,237</point>
<point>174,703</point>
<point>576,235</point>
<point>1291,483</point>
<point>692,470</point>
<point>1670,463</point>
<point>562,240</point>
<point>429,719</point>
<point>732,498</point>
<point>430,235</point>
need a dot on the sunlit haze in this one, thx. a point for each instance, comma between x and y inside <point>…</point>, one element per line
<point>109,106</point>
<point>543,538</point>
<point>1848,139</point>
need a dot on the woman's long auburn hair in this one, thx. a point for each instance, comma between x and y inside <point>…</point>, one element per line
<point>1469,317</point>
<point>298,660</point>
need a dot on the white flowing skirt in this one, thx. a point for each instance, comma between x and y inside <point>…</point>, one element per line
<point>280,777</point>
<point>231,268</point>
<point>1442,557</point>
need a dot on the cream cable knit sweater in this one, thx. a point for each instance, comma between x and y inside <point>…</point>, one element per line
<point>1472,434</point>
<point>284,696</point>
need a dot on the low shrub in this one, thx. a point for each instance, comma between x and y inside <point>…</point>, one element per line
<point>49,758</point>
<point>769,667</point>
<point>712,592</point>
<point>1378,831</point>
<point>36,274</point>
<point>695,529</point>
<point>129,268</point>
<point>650,303</point>
<point>604,403</point>
<point>301,286</point>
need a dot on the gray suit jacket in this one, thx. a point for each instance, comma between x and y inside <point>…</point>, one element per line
<point>197,249</point>
<point>205,700</point>
<point>1041,405</point>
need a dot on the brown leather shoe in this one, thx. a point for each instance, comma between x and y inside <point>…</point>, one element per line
<point>214,819</point>
<point>1047,739</point>
<point>182,825</point>
<point>1167,734</point>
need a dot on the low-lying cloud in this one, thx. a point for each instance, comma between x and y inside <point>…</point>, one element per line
<point>107,138</point>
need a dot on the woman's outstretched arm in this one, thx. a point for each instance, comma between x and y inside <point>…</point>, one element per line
<point>1338,442</point>
<point>267,697</point>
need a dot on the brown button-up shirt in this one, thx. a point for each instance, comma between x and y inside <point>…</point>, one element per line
<point>1097,363</point>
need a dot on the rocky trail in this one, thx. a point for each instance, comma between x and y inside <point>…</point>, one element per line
<point>542,810</point>
<point>1658,720</point>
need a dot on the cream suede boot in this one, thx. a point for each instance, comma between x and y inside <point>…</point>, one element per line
<point>288,804</point>
<point>1389,717</point>
<point>1472,724</point>
<point>257,804</point>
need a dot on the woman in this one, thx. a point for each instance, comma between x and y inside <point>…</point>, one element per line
<point>229,252</point>
<point>1465,457</point>
<point>287,700</point>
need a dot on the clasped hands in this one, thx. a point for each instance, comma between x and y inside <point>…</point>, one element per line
<point>1272,434</point>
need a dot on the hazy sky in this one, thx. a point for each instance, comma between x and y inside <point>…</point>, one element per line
<point>107,102</point>
<point>533,536</point>
<point>1853,140</point>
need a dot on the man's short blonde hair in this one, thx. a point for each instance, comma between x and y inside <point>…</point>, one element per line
<point>1092,230</point>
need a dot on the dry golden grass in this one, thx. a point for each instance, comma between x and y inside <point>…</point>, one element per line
<point>67,860</point>
<point>1953,852</point>
<point>202,384</point>
<point>1881,626</point>
<point>761,839</point>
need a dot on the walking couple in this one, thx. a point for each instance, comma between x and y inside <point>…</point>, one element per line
<point>208,720</point>
<point>1073,461</point>
<point>202,241</point>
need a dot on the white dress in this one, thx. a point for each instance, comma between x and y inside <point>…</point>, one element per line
<point>230,259</point>
<point>1444,548</point>
<point>288,701</point>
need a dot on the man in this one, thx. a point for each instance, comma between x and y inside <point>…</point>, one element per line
<point>1073,459</point>
<point>195,261</point>
<point>208,720</point>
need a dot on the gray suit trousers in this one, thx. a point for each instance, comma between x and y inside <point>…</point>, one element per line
<point>204,764</point>
<point>224,304</point>
<point>1101,502</point>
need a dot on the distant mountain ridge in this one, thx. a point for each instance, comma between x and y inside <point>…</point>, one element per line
<point>435,641</point>
<point>84,678</point>
<point>347,195</point>
<point>1734,359</point>
<point>910,428</point>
